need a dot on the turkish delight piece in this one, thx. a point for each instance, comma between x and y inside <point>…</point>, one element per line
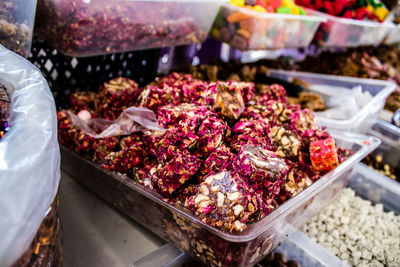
<point>104,146</point>
<point>225,98</point>
<point>173,174</point>
<point>82,101</point>
<point>263,171</point>
<point>251,132</point>
<point>116,95</point>
<point>274,92</point>
<point>323,155</point>
<point>225,201</point>
<point>211,135</point>
<point>217,161</point>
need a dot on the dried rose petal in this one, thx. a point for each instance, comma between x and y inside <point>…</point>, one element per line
<point>85,145</point>
<point>104,147</point>
<point>153,97</point>
<point>114,96</point>
<point>247,89</point>
<point>250,132</point>
<point>171,175</point>
<point>343,154</point>
<point>82,101</point>
<point>274,92</point>
<point>160,145</point>
<point>224,200</point>
<point>135,139</point>
<point>211,134</point>
<point>220,159</point>
<point>263,171</point>
<point>67,131</point>
<point>323,155</point>
<point>171,115</point>
<point>298,178</point>
<point>126,158</point>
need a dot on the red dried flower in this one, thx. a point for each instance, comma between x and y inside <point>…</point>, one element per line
<point>115,96</point>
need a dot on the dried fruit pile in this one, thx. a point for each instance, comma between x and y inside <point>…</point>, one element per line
<point>376,63</point>
<point>376,162</point>
<point>229,154</point>
<point>15,35</point>
<point>271,6</point>
<point>247,72</point>
<point>4,110</point>
<point>361,10</point>
<point>80,28</point>
<point>358,232</point>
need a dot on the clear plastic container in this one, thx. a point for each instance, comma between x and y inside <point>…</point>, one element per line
<point>246,29</point>
<point>393,35</point>
<point>367,183</point>
<point>202,241</point>
<point>92,27</point>
<point>375,187</point>
<point>366,117</point>
<point>17,18</point>
<point>390,136</point>
<point>342,32</point>
<point>297,247</point>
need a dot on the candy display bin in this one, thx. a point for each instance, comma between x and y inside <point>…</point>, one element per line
<point>86,28</point>
<point>367,183</point>
<point>342,32</point>
<point>245,29</point>
<point>197,239</point>
<point>393,36</point>
<point>366,117</point>
<point>16,25</point>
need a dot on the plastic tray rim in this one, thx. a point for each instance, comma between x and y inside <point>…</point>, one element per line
<point>389,87</point>
<point>275,15</point>
<point>362,23</point>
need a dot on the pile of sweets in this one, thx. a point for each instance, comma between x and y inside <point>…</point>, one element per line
<point>377,162</point>
<point>4,110</point>
<point>229,154</point>
<point>14,35</point>
<point>85,28</point>
<point>382,63</point>
<point>351,9</point>
<point>357,231</point>
<point>271,6</point>
<point>247,72</point>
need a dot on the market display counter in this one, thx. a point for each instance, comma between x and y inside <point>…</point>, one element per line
<point>96,234</point>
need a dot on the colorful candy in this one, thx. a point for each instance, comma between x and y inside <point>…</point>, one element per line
<point>360,9</point>
<point>271,6</point>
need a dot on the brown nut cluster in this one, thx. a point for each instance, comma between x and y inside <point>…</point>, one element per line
<point>286,141</point>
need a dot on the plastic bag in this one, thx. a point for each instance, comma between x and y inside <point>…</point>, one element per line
<point>29,156</point>
<point>132,119</point>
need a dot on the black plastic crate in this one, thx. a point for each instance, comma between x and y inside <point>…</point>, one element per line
<point>69,74</point>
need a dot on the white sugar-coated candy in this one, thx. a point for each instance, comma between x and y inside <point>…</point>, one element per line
<point>358,232</point>
<point>84,115</point>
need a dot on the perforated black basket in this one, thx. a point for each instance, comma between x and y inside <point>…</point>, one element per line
<point>68,74</point>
